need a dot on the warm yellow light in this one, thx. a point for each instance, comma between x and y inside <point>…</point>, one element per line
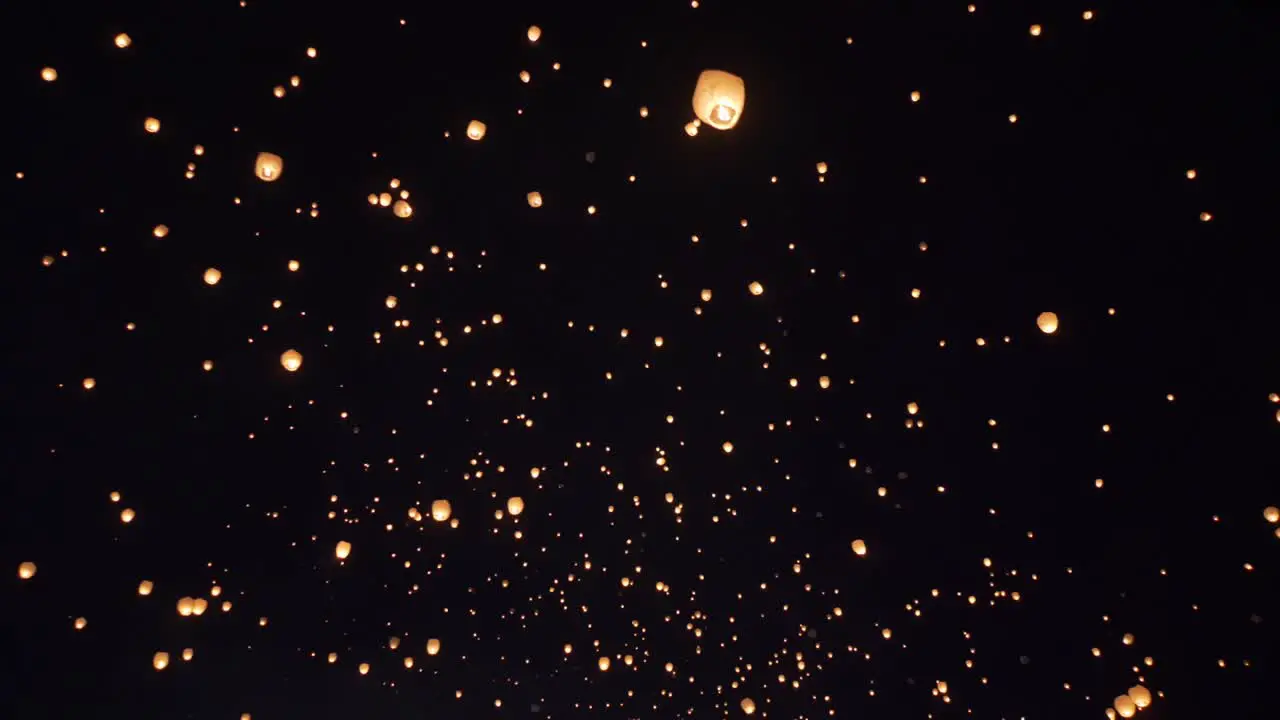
<point>48,74</point>
<point>441,510</point>
<point>123,41</point>
<point>534,33</point>
<point>27,570</point>
<point>291,360</point>
<point>515,505</point>
<point>859,548</point>
<point>476,129</point>
<point>535,199</point>
<point>343,550</point>
<point>160,660</point>
<point>1047,322</point>
<point>268,166</point>
<point>151,125</point>
<point>212,276</point>
<point>718,99</point>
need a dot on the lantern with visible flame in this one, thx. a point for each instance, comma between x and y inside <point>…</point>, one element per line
<point>718,99</point>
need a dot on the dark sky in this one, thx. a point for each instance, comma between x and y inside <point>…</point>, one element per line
<point>1027,500</point>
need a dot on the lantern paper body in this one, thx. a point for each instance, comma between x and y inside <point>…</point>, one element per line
<point>748,705</point>
<point>441,510</point>
<point>476,129</point>
<point>291,360</point>
<point>1047,322</point>
<point>160,660</point>
<point>515,505</point>
<point>268,166</point>
<point>433,646</point>
<point>27,570</point>
<point>535,199</point>
<point>718,99</point>
<point>534,33</point>
<point>342,550</point>
<point>402,209</point>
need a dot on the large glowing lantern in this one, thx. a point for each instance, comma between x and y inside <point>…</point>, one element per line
<point>433,647</point>
<point>291,360</point>
<point>160,660</point>
<point>27,570</point>
<point>603,663</point>
<point>342,550</point>
<point>535,199</point>
<point>145,587</point>
<point>748,705</point>
<point>1124,706</point>
<point>718,99</point>
<point>268,166</point>
<point>187,654</point>
<point>1271,514</point>
<point>441,510</point>
<point>515,505</point>
<point>81,623</point>
<point>212,276</point>
<point>859,548</point>
<point>476,129</point>
<point>402,209</point>
<point>199,606</point>
<point>151,125</point>
<point>364,668</point>
<point>1047,322</point>
<point>534,33</point>
<point>186,606</point>
<point>1140,696</point>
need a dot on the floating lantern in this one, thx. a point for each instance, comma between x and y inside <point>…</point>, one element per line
<point>718,99</point>
<point>160,660</point>
<point>212,276</point>
<point>748,706</point>
<point>402,209</point>
<point>342,550</point>
<point>27,570</point>
<point>603,663</point>
<point>535,199</point>
<point>268,166</point>
<point>515,505</point>
<point>433,647</point>
<point>145,587</point>
<point>441,510</point>
<point>291,360</point>
<point>859,548</point>
<point>534,33</point>
<point>151,125</point>
<point>1047,322</point>
<point>123,41</point>
<point>476,129</point>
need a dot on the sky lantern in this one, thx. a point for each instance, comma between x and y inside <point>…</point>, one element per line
<point>81,623</point>
<point>748,706</point>
<point>342,550</point>
<point>160,230</point>
<point>859,548</point>
<point>160,660</point>
<point>393,643</point>
<point>151,125</point>
<point>212,276</point>
<point>186,606</point>
<point>48,74</point>
<point>476,129</point>
<point>391,302</point>
<point>535,199</point>
<point>268,166</point>
<point>402,209</point>
<point>27,570</point>
<point>364,668</point>
<point>1140,696</point>
<point>756,288</point>
<point>534,472</point>
<point>705,295</point>
<point>568,648</point>
<point>603,663</point>
<point>199,606</point>
<point>433,646</point>
<point>515,505</point>
<point>123,41</point>
<point>1047,322</point>
<point>441,510</point>
<point>822,168</point>
<point>89,383</point>
<point>333,658</point>
<point>291,360</point>
<point>187,654</point>
<point>1125,706</point>
<point>534,33</point>
<point>145,587</point>
<point>1271,514</point>
<point>718,99</point>
<point>727,447</point>
<point>691,128</point>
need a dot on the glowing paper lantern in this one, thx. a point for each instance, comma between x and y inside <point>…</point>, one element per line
<point>186,606</point>
<point>151,125</point>
<point>342,550</point>
<point>1047,322</point>
<point>535,199</point>
<point>89,383</point>
<point>48,74</point>
<point>27,570</point>
<point>364,668</point>
<point>1140,696</point>
<point>859,548</point>
<point>515,505</point>
<point>160,660</point>
<point>402,209</point>
<point>187,654</point>
<point>391,302</point>
<point>199,606</point>
<point>534,33</point>
<point>756,288</point>
<point>441,510</point>
<point>127,515</point>
<point>748,706</point>
<point>433,647</point>
<point>145,587</point>
<point>476,129</point>
<point>81,623</point>
<point>1124,706</point>
<point>291,360</point>
<point>1271,514</point>
<point>718,99</point>
<point>212,276</point>
<point>123,41</point>
<point>603,663</point>
<point>268,166</point>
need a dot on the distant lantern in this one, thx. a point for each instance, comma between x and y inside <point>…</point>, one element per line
<point>188,653</point>
<point>1047,322</point>
<point>27,570</point>
<point>859,548</point>
<point>160,230</point>
<point>393,643</point>
<point>1124,706</point>
<point>568,648</point>
<point>727,447</point>
<point>912,408</point>
<point>268,166</point>
<point>246,716</point>
<point>408,663</point>
<point>127,515</point>
<point>199,606</point>
<point>525,76</point>
<point>534,33</point>
<point>535,199</point>
<point>441,510</point>
<point>535,472</point>
<point>1271,514</point>
<point>402,209</point>
<point>603,662</point>
<point>212,276</point>
<point>364,668</point>
<point>824,382</point>
<point>476,129</point>
<point>123,41</point>
<point>718,99</point>
<point>748,705</point>
<point>822,168</point>
<point>48,74</point>
<point>433,647</point>
<point>1127,639</point>
<point>705,295</point>
<point>333,658</point>
<point>291,360</point>
<point>391,302</point>
<point>81,623</point>
<point>756,288</point>
<point>151,125</point>
<point>89,383</point>
<point>1140,696</point>
<point>160,660</point>
<point>384,199</point>
<point>691,129</point>
<point>145,587</point>
<point>515,505</point>
<point>342,550</point>
<point>186,606</point>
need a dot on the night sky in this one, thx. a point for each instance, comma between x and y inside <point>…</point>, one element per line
<point>943,384</point>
